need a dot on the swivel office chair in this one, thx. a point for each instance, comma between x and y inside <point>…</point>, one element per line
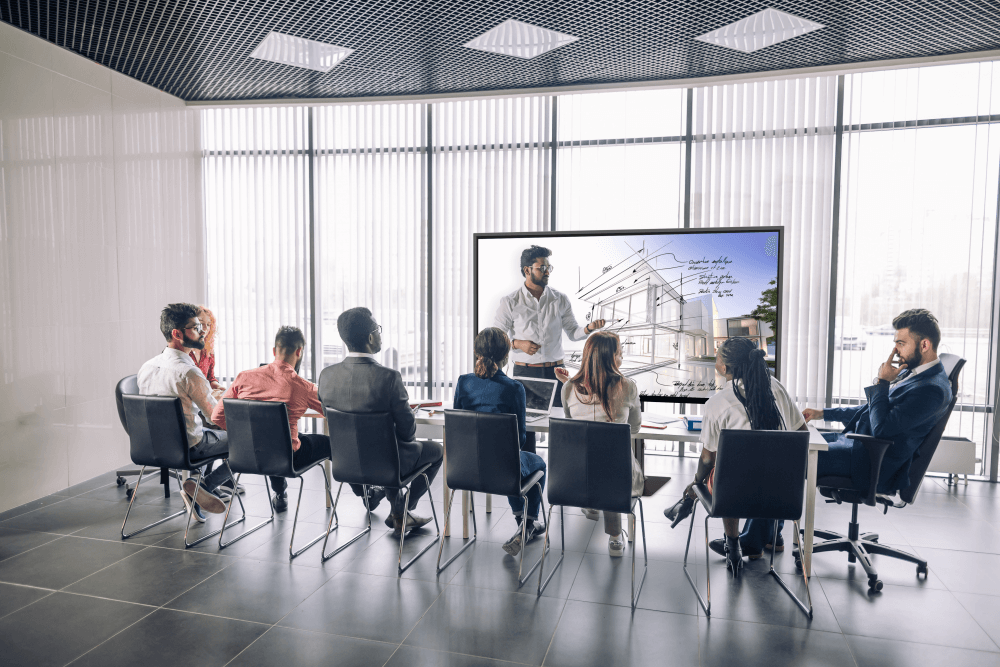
<point>839,490</point>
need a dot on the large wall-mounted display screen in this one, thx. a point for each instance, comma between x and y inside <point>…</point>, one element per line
<point>672,296</point>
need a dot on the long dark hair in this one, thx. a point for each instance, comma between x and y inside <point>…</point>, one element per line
<point>490,349</point>
<point>599,379</point>
<point>752,383</point>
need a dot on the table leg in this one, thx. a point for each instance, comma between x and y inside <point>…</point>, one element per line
<point>328,470</point>
<point>446,491</point>
<point>489,503</point>
<point>465,515</point>
<point>807,542</point>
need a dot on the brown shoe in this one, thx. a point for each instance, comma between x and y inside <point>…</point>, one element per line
<point>412,521</point>
<point>208,500</point>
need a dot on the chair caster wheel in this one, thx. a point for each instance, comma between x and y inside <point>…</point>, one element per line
<point>874,585</point>
<point>798,564</point>
<point>128,493</point>
<point>921,570</point>
<point>120,481</point>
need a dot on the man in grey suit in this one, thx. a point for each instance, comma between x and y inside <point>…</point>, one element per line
<point>360,384</point>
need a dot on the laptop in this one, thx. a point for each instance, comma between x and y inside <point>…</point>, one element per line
<point>540,394</point>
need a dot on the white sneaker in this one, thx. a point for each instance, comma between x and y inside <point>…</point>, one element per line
<point>616,546</point>
<point>593,515</point>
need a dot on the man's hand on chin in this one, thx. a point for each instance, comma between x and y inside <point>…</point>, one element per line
<point>887,371</point>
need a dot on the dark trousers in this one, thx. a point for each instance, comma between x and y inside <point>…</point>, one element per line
<point>430,452</point>
<point>546,373</point>
<point>212,443</point>
<point>530,464</point>
<point>835,462</point>
<point>313,447</point>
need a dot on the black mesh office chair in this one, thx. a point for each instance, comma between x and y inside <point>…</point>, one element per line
<point>841,490</point>
<point>260,443</point>
<point>129,385</point>
<point>590,465</point>
<point>484,455</point>
<point>363,450</point>
<point>758,474</point>
<point>158,438</point>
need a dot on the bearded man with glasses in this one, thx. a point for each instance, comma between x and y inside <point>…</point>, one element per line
<point>174,373</point>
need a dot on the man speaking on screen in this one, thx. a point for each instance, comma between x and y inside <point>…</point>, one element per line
<point>534,317</point>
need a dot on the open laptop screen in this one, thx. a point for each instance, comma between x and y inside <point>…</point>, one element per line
<point>540,393</point>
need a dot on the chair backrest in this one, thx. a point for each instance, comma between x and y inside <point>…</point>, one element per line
<point>484,452</point>
<point>128,385</point>
<point>760,474</point>
<point>363,448</point>
<point>590,464</point>
<point>260,440</point>
<point>156,431</point>
<point>925,452</point>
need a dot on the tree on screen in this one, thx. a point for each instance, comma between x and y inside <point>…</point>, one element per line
<point>767,309</point>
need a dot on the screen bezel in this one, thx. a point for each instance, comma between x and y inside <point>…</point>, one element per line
<point>780,230</point>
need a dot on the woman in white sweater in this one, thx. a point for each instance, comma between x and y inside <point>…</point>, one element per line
<point>599,392</point>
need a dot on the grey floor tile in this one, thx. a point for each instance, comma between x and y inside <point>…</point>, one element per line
<point>599,635</point>
<point>275,548</point>
<point>14,597</point>
<point>365,606</point>
<point>522,624</point>
<point>61,562</point>
<point>986,610</point>
<point>153,576</point>
<point>607,580</point>
<point>167,638</point>
<point>110,527</point>
<point>240,548</point>
<point>871,652</point>
<point>491,567</point>
<point>94,483</point>
<point>14,542</point>
<point>412,656</point>
<point>579,529</point>
<point>252,591</point>
<point>904,613</point>
<point>382,557</point>
<point>723,642</point>
<point>957,534</point>
<point>113,493</point>
<point>81,622</point>
<point>31,507</point>
<point>64,517</point>
<point>285,646</point>
<point>936,505</point>
<point>965,571</point>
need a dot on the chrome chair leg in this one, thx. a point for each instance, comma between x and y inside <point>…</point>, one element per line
<point>645,556</point>
<point>807,610</point>
<point>524,545</point>
<point>402,533</point>
<point>291,553</point>
<point>229,507</point>
<point>135,492</point>
<point>545,548</point>
<point>447,517</point>
<point>706,604</point>
<point>330,527</point>
<point>194,501</point>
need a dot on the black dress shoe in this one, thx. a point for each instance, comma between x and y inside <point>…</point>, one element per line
<point>279,502</point>
<point>375,496</point>
<point>679,511</point>
<point>718,546</point>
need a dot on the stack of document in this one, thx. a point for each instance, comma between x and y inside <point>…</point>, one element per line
<point>658,421</point>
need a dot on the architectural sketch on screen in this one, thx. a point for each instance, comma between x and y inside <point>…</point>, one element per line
<point>671,298</point>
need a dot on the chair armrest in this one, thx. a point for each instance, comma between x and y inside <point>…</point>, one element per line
<point>876,448</point>
<point>704,495</point>
<point>529,482</point>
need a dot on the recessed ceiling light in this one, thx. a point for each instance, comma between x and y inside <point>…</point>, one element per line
<point>759,30</point>
<point>300,52</point>
<point>521,40</point>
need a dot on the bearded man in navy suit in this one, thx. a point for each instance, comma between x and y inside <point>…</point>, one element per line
<point>907,398</point>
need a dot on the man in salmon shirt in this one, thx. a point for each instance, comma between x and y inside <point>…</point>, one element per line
<point>280,381</point>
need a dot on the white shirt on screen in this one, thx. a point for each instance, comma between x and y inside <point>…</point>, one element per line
<point>173,373</point>
<point>724,411</point>
<point>523,317</point>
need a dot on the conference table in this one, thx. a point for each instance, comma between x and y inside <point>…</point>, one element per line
<point>431,425</point>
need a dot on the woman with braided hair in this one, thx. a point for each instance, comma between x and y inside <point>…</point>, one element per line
<point>489,389</point>
<point>751,399</point>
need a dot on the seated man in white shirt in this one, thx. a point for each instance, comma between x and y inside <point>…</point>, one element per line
<point>173,373</point>
<point>534,317</point>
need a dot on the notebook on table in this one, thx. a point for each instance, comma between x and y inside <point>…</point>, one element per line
<point>540,394</point>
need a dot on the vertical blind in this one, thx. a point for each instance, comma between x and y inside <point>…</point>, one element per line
<point>918,229</point>
<point>763,155</point>
<point>371,205</point>
<point>491,166</point>
<point>256,171</point>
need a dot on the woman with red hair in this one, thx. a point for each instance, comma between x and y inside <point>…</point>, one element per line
<point>205,359</point>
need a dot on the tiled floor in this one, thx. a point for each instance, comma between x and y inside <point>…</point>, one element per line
<point>71,592</point>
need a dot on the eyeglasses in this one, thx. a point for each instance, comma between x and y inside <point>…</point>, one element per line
<point>200,328</point>
<point>378,328</point>
<point>544,269</point>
